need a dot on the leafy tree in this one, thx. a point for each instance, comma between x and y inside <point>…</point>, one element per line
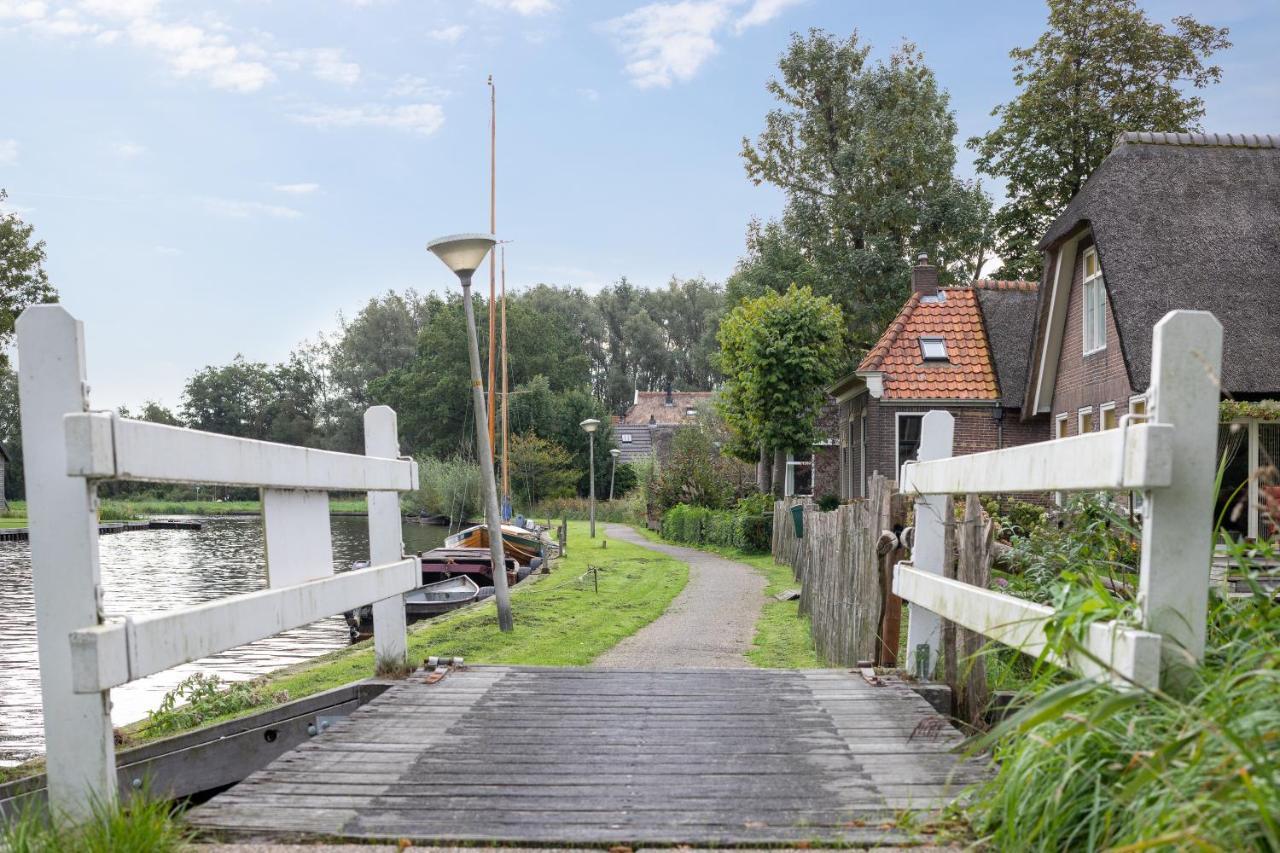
<point>864,152</point>
<point>253,400</point>
<point>540,469</point>
<point>1101,67</point>
<point>153,412</point>
<point>775,260</point>
<point>23,280</point>
<point>11,434</point>
<point>778,353</point>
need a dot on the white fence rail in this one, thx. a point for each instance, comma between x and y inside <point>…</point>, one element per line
<point>83,652</point>
<point>1170,459</point>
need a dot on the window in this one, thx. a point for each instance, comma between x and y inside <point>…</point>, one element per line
<point>1138,408</point>
<point>933,349</point>
<point>1095,304</point>
<point>799,475</point>
<point>626,438</point>
<point>1060,426</point>
<point>862,455</point>
<point>1084,419</point>
<point>1108,411</point>
<point>908,439</point>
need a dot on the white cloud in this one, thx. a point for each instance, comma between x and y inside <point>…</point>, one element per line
<point>247,209</point>
<point>325,63</point>
<point>123,9</point>
<point>418,88</point>
<point>22,11</point>
<point>167,251</point>
<point>589,94</point>
<point>191,51</point>
<point>665,42</point>
<point>296,189</point>
<point>8,152</point>
<point>63,23</point>
<point>523,7</point>
<point>424,119</point>
<point>762,12</point>
<point>451,34</point>
<point>129,150</point>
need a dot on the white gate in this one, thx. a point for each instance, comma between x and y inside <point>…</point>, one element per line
<point>83,651</point>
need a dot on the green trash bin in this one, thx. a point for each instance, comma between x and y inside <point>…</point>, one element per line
<point>797,518</point>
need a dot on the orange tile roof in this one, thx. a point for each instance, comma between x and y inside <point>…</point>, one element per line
<point>968,374</point>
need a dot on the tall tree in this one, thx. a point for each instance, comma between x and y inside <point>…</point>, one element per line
<point>778,352</point>
<point>1101,67</point>
<point>864,151</point>
<point>11,434</point>
<point>23,280</point>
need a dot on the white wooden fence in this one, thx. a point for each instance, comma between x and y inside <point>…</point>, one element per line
<point>83,651</point>
<point>1170,459</point>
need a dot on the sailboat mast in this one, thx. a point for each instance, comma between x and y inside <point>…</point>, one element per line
<point>506,470</point>
<point>493,229</point>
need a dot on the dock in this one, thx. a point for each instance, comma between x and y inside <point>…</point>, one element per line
<point>19,534</point>
<point>547,756</point>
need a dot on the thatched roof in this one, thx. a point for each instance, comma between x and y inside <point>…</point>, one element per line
<point>1188,221</point>
<point>1009,314</point>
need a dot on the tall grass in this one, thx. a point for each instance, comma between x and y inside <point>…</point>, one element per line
<point>144,825</point>
<point>627,510</point>
<point>1084,765</point>
<point>448,487</point>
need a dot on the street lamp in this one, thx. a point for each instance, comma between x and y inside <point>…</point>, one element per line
<point>589,426</point>
<point>615,453</point>
<point>463,253</point>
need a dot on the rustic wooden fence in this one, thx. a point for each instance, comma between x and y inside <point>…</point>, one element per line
<point>84,652</point>
<point>843,563</point>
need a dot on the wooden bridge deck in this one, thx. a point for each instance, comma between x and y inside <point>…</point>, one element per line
<point>569,756</point>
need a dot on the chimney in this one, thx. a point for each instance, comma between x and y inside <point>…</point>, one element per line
<point>924,277</point>
<point>670,401</point>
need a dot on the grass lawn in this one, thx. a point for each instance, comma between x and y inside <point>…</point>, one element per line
<point>559,621</point>
<point>783,637</point>
<point>13,522</point>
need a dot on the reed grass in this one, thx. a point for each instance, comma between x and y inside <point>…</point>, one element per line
<point>143,825</point>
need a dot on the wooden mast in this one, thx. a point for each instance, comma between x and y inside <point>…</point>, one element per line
<point>493,229</point>
<point>506,470</point>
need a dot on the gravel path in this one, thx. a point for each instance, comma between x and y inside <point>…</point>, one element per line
<point>709,624</point>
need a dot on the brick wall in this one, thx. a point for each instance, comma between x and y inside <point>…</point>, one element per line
<point>1088,380</point>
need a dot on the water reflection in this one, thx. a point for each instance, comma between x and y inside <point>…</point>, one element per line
<point>151,570</point>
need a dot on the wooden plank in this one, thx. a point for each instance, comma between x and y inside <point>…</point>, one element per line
<point>1136,458</point>
<point>152,452</point>
<point>299,543</point>
<point>386,543</point>
<point>924,628</point>
<point>160,641</point>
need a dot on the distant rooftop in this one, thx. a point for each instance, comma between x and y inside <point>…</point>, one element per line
<point>654,407</point>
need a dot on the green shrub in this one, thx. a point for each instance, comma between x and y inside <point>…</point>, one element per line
<point>448,487</point>
<point>827,503</point>
<point>200,698</point>
<point>696,525</point>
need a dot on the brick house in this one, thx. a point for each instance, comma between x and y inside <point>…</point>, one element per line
<point>962,349</point>
<point>646,430</point>
<point>1166,221</point>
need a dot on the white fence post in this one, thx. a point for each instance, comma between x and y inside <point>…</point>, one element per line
<point>79,750</point>
<point>1177,530</point>
<point>937,430</point>
<point>386,543</point>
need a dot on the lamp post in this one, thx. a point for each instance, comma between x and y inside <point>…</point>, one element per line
<point>589,426</point>
<point>615,453</point>
<point>462,253</point>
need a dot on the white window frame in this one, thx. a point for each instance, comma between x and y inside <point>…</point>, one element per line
<point>626,438</point>
<point>862,454</point>
<point>1081,414</point>
<point>1060,429</point>
<point>1102,416</point>
<point>1146,406</point>
<point>897,431</point>
<point>789,486</point>
<point>925,340</point>
<point>1094,315</point>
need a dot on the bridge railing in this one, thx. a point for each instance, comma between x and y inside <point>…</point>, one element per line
<point>84,652</point>
<point>1170,459</point>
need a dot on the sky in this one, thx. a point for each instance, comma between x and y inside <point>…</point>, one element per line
<point>223,178</point>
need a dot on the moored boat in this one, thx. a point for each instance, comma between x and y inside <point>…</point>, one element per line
<point>424,602</point>
<point>521,543</point>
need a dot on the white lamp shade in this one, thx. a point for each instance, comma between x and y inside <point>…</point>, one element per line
<point>462,253</point>
<point>589,425</point>
<point>615,453</point>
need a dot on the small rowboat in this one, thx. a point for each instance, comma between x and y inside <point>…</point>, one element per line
<point>518,542</point>
<point>421,603</point>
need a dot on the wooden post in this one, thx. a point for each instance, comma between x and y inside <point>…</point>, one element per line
<point>950,669</point>
<point>969,695</point>
<point>890,604</point>
<point>1177,531</point>
<point>923,626</point>
<point>79,750</point>
<point>386,543</point>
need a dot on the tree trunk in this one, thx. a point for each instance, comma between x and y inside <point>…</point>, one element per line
<point>763,470</point>
<point>779,472</point>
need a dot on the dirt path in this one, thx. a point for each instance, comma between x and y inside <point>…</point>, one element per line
<point>709,624</point>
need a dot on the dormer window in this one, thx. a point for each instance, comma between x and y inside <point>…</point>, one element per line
<point>626,438</point>
<point>1095,304</point>
<point>933,349</point>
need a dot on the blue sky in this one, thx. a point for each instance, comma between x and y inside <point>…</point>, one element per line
<point>215,179</point>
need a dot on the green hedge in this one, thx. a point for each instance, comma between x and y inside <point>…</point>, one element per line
<point>696,525</point>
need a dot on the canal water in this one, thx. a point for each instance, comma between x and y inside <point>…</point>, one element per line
<point>149,570</point>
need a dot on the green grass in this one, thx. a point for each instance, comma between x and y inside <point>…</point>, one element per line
<point>783,638</point>
<point>145,825</point>
<point>559,621</point>
<point>13,522</point>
